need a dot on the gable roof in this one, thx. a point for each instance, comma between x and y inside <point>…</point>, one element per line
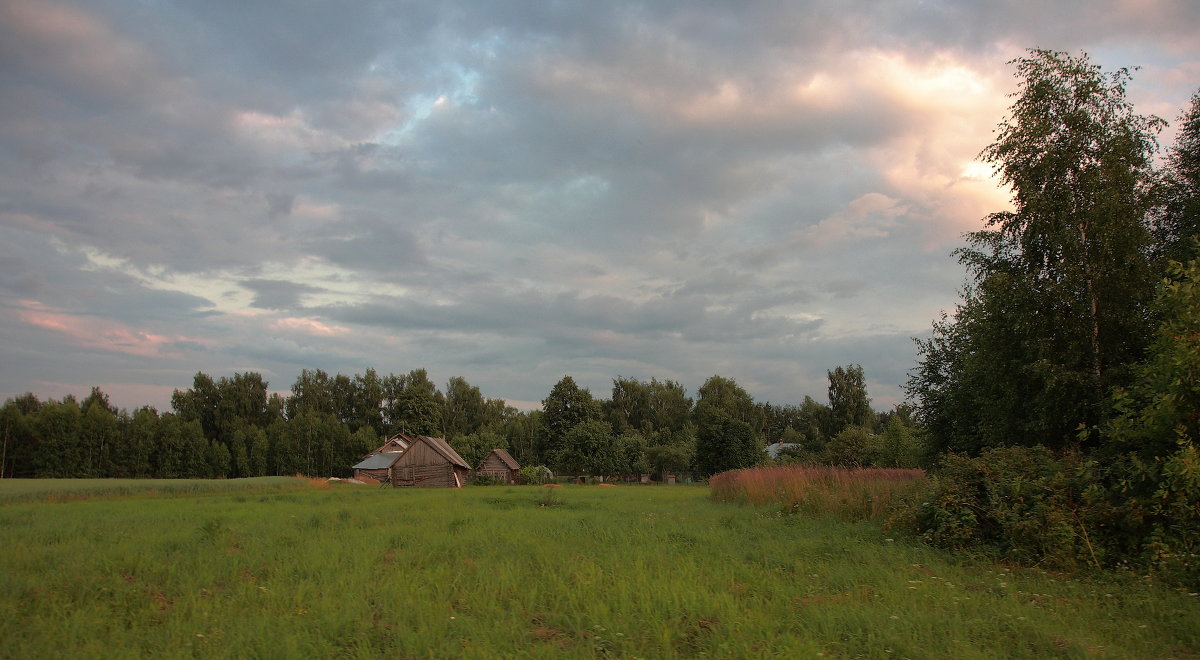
<point>378,461</point>
<point>509,462</point>
<point>441,447</point>
<point>397,443</point>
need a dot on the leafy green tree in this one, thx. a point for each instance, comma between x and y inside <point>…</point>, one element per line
<point>224,405</point>
<point>629,406</point>
<point>853,447</point>
<point>647,406</point>
<point>357,445</point>
<point>630,448</point>
<point>239,453</point>
<point>17,442</point>
<point>726,427</point>
<point>724,442</point>
<point>98,397</point>
<point>900,445</point>
<point>411,404</point>
<point>283,455</point>
<point>521,436</point>
<point>100,437</point>
<point>1152,455</point>
<point>462,408</point>
<point>671,458</point>
<point>567,406</point>
<point>367,396</point>
<point>321,444</point>
<point>169,450</point>
<point>135,456</point>
<point>58,428</point>
<point>588,448</point>
<point>1179,224</point>
<point>312,391</point>
<point>726,395</point>
<point>1057,312</point>
<point>200,403</point>
<point>474,447</point>
<point>258,452</point>
<point>848,401</point>
<point>217,460</point>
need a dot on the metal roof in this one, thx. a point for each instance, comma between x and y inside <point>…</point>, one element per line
<point>378,461</point>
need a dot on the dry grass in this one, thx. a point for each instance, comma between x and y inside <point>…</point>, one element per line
<point>314,482</point>
<point>815,489</point>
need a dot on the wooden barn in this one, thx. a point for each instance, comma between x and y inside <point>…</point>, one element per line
<point>430,463</point>
<point>499,465</point>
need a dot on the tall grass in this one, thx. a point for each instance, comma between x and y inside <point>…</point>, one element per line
<point>848,494</point>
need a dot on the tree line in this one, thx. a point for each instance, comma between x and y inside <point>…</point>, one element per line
<point>235,427</point>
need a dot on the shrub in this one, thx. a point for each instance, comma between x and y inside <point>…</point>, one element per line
<point>855,446</point>
<point>535,475</point>
<point>488,480</point>
<point>1020,502</point>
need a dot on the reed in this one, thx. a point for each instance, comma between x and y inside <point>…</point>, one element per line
<point>848,494</point>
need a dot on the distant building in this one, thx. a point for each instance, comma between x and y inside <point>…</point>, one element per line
<point>774,449</point>
<point>421,461</point>
<point>499,465</point>
<point>429,463</point>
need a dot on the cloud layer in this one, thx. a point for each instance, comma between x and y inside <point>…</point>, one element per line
<point>509,191</point>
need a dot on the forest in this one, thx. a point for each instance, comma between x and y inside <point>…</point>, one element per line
<point>1057,407</point>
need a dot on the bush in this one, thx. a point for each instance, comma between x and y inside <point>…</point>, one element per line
<point>853,447</point>
<point>535,475</point>
<point>1019,502</point>
<point>488,480</point>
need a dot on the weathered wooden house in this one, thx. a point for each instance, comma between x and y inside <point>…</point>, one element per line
<point>429,462</point>
<point>499,465</point>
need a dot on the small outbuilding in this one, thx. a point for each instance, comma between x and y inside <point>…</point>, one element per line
<point>377,466</point>
<point>429,462</point>
<point>499,465</point>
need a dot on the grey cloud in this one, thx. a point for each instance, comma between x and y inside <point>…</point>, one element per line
<point>277,294</point>
<point>580,201</point>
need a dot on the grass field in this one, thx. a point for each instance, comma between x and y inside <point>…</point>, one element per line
<point>523,572</point>
<point>58,490</point>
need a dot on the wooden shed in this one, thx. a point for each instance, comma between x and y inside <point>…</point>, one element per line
<point>431,463</point>
<point>499,465</point>
<point>377,466</point>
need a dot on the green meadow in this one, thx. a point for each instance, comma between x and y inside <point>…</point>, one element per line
<point>255,570</point>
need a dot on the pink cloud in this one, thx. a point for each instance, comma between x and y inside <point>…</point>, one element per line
<point>308,326</point>
<point>92,331</point>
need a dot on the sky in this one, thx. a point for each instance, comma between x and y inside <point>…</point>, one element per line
<point>511,192</point>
